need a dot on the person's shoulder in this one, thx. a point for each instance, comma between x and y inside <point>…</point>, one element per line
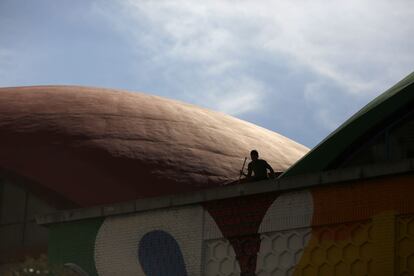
<point>263,162</point>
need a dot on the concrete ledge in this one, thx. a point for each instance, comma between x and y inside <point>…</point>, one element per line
<point>260,187</point>
<point>285,184</point>
<point>152,203</point>
<point>121,208</point>
<point>76,214</point>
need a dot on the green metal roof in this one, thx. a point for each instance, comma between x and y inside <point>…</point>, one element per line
<point>381,108</point>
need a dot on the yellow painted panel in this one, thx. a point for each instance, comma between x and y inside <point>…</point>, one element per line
<point>345,249</point>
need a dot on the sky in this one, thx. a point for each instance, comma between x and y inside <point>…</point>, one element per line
<point>299,68</point>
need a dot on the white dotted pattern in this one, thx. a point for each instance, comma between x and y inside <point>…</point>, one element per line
<point>220,259</point>
<point>116,245</point>
<point>285,232</point>
<point>219,255</point>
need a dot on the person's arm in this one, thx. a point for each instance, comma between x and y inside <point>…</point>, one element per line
<point>249,170</point>
<point>272,172</point>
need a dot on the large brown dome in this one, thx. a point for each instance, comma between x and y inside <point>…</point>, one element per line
<point>95,146</point>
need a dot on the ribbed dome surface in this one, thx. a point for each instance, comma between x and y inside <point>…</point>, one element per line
<point>95,146</point>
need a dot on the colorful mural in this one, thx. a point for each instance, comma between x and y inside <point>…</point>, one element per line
<point>358,228</point>
<point>121,246</point>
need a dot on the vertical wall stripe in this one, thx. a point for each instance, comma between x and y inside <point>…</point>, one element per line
<point>74,242</point>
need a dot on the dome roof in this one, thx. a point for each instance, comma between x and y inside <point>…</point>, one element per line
<point>96,146</point>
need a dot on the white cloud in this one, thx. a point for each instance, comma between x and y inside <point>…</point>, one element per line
<point>201,41</point>
<point>233,96</point>
<point>228,55</point>
<point>360,45</point>
<point>329,108</point>
<point>338,40</point>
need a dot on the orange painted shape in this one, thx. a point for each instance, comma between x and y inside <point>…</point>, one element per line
<point>357,201</point>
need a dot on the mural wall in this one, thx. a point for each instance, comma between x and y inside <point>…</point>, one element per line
<point>360,228</point>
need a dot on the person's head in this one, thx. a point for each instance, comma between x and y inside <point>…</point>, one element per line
<point>254,155</point>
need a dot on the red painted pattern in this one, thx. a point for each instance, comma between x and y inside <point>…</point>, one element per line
<point>239,220</point>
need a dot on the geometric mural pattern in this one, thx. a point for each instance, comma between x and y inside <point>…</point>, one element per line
<point>349,230</point>
<point>405,245</point>
<point>220,259</point>
<point>281,251</point>
<point>359,229</point>
<point>165,242</point>
<point>343,249</point>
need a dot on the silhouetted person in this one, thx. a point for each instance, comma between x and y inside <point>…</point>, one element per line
<point>258,167</point>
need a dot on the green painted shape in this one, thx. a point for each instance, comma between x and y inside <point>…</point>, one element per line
<point>74,242</point>
<point>320,157</point>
